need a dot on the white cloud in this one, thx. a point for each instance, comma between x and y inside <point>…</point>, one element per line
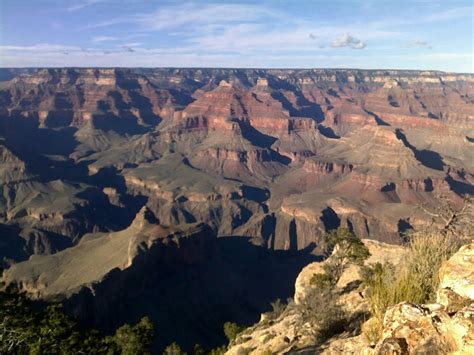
<point>243,28</point>
<point>346,40</point>
<point>82,4</point>
<point>446,15</point>
<point>419,44</point>
<point>237,35</point>
<point>40,47</point>
<point>192,15</point>
<point>133,44</point>
<point>104,38</point>
<point>168,58</point>
<point>359,45</point>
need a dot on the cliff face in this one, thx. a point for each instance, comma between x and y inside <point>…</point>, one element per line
<point>378,142</point>
<point>90,262</point>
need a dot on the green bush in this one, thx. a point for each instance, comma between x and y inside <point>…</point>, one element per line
<point>323,281</point>
<point>198,350</point>
<point>278,307</point>
<point>231,330</point>
<point>346,249</point>
<point>218,351</point>
<point>324,315</point>
<point>50,331</point>
<point>135,339</point>
<point>173,349</point>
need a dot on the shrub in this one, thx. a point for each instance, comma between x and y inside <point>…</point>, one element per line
<point>231,330</point>
<point>347,249</point>
<point>198,350</point>
<point>278,307</point>
<point>50,331</point>
<point>320,308</point>
<point>135,339</point>
<point>173,349</point>
<point>420,273</point>
<point>415,280</point>
<point>372,329</point>
<point>218,351</point>
<point>380,278</point>
<point>324,281</point>
<point>325,317</point>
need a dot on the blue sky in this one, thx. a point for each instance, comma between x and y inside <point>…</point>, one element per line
<point>415,34</point>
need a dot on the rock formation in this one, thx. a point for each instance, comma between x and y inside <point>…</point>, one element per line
<point>270,158</point>
<point>289,331</point>
<point>444,327</point>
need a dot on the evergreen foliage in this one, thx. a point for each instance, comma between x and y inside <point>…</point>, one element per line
<point>173,349</point>
<point>346,249</point>
<point>231,330</point>
<point>25,330</point>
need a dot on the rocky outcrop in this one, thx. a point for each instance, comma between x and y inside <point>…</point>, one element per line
<point>457,274</point>
<point>86,265</point>
<point>445,327</point>
<point>12,168</point>
<point>289,331</point>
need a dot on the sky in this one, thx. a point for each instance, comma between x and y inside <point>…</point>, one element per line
<point>365,34</point>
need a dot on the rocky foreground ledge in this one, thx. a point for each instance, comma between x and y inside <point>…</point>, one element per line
<point>444,327</point>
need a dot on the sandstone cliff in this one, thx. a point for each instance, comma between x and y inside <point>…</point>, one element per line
<point>312,149</point>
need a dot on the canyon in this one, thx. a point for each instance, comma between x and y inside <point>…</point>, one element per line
<point>175,192</point>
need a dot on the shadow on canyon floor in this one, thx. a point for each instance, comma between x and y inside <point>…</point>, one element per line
<point>189,304</point>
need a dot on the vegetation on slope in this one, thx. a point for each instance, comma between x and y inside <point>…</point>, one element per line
<point>320,308</point>
<point>26,330</point>
<point>416,279</point>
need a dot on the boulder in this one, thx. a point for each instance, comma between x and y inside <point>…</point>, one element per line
<point>457,273</point>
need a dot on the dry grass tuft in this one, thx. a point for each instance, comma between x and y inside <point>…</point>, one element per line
<point>415,280</point>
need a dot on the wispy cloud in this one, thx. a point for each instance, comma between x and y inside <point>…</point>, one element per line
<point>346,40</point>
<point>192,15</point>
<point>217,14</point>
<point>240,33</point>
<point>133,44</point>
<point>40,47</point>
<point>243,28</point>
<point>79,5</point>
<point>419,44</point>
<point>104,38</point>
<point>169,57</point>
<point>447,15</point>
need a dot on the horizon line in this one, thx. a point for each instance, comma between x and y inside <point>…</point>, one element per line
<point>237,68</point>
